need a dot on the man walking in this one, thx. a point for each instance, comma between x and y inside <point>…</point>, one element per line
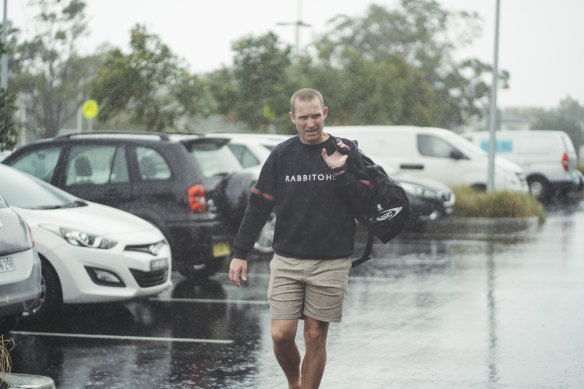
<point>316,192</point>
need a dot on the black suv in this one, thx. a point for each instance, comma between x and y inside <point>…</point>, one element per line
<point>189,186</point>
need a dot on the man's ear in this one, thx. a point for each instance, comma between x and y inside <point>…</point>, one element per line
<point>324,113</point>
<point>292,117</point>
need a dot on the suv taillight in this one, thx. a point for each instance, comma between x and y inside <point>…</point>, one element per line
<point>196,197</point>
<point>565,161</point>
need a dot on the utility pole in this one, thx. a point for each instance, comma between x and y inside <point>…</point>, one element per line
<point>493,106</point>
<point>298,23</point>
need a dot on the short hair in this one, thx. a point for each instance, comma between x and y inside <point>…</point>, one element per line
<point>306,94</point>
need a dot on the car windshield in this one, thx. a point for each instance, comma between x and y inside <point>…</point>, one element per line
<point>24,191</point>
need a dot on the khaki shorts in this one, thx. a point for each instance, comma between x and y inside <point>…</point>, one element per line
<point>308,287</point>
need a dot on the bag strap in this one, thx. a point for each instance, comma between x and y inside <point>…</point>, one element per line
<point>367,252</point>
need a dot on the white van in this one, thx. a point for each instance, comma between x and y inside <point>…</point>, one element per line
<point>548,158</point>
<point>433,153</point>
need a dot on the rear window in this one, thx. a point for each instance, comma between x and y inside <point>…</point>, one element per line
<point>215,160</point>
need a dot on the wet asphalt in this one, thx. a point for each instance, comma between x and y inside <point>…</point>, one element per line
<point>500,311</point>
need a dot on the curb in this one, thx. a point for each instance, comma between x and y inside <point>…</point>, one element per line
<point>480,227</point>
<point>27,381</point>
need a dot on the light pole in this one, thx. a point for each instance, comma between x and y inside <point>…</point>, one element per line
<point>493,106</point>
<point>298,23</point>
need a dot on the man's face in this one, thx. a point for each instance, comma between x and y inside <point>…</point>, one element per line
<point>309,119</point>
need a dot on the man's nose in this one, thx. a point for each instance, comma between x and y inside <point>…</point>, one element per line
<point>310,123</point>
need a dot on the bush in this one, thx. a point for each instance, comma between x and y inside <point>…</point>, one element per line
<point>470,203</point>
<point>580,167</point>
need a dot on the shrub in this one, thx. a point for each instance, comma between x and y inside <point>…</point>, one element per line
<point>470,203</point>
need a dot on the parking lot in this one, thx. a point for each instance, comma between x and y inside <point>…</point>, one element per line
<point>427,312</point>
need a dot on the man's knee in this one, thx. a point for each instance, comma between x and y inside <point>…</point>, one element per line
<point>315,333</point>
<point>283,333</point>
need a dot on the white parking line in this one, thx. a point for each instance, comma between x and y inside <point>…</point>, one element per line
<point>207,301</point>
<point>123,337</point>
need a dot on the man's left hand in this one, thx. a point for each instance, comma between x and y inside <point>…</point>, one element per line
<point>336,159</point>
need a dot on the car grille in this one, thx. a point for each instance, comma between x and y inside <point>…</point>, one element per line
<point>150,278</point>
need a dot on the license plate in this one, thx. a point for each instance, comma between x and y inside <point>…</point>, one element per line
<point>7,264</point>
<point>157,264</point>
<point>221,249</point>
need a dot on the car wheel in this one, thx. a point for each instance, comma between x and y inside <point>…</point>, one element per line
<point>539,188</point>
<point>264,243</point>
<point>51,300</point>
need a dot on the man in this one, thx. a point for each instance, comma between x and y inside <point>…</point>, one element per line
<point>316,198</point>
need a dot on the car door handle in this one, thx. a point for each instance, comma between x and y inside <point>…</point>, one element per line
<point>411,166</point>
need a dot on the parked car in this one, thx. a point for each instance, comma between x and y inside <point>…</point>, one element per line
<point>89,252</point>
<point>548,159</point>
<point>434,153</point>
<point>4,154</point>
<point>183,184</point>
<point>20,269</point>
<point>429,199</point>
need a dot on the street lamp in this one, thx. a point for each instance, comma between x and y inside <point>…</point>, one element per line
<point>298,23</point>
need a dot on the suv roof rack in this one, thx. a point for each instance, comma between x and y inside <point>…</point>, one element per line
<point>161,135</point>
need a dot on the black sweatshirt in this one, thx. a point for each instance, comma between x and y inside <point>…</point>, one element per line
<point>315,211</point>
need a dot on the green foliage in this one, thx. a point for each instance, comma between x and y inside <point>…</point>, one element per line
<point>568,117</point>
<point>148,88</point>
<point>404,57</point>
<point>47,70</point>
<point>261,80</point>
<point>8,130</point>
<point>470,203</point>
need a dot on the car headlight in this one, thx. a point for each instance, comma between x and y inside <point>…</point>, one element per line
<point>81,238</point>
<point>418,190</point>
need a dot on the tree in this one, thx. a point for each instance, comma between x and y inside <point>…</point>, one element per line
<point>568,117</point>
<point>148,88</point>
<point>261,76</point>
<point>49,73</point>
<point>369,92</point>
<point>419,32</point>
<point>8,130</point>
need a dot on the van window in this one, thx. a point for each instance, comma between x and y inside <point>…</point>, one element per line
<point>433,146</point>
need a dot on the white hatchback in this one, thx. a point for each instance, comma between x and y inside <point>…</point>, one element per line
<point>89,252</point>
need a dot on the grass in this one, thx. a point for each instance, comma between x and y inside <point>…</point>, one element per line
<point>470,203</point>
<point>6,345</point>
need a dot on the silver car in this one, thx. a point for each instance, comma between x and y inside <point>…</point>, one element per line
<point>20,269</point>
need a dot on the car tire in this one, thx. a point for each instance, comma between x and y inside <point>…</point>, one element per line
<point>539,188</point>
<point>51,294</point>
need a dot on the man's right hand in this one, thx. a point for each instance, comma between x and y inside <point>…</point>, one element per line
<point>236,268</point>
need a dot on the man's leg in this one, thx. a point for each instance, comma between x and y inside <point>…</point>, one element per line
<point>287,354</point>
<point>315,333</point>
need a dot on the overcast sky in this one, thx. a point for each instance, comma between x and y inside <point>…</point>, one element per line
<point>541,41</point>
